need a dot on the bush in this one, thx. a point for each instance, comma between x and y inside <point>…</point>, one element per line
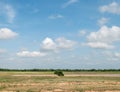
<point>59,73</point>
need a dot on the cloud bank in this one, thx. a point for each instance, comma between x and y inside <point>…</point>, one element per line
<point>104,37</point>
<point>113,8</point>
<point>30,54</point>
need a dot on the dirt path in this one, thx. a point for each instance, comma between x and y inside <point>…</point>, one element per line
<point>70,75</point>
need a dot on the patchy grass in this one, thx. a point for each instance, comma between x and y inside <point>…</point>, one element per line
<point>47,81</point>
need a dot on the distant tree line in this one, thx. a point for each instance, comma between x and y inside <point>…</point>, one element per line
<point>65,70</point>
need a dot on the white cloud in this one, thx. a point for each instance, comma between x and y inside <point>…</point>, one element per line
<point>69,3</point>
<point>102,21</point>
<point>56,45</point>
<point>111,55</point>
<point>63,43</point>
<point>104,38</point>
<point>6,33</point>
<point>57,16</point>
<point>7,10</point>
<point>30,54</point>
<point>114,8</point>
<point>48,44</point>
<point>105,34</point>
<point>99,45</point>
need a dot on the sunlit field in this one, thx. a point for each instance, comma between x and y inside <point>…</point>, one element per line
<point>48,82</point>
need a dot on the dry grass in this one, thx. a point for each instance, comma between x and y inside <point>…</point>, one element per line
<point>48,82</point>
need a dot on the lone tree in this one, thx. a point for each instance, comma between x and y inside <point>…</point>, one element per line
<point>59,73</point>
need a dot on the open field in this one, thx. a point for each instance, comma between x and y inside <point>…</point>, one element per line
<point>71,82</point>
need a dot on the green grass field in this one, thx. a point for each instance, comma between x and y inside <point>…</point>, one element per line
<point>71,82</point>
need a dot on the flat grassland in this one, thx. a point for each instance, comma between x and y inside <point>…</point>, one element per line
<point>48,82</point>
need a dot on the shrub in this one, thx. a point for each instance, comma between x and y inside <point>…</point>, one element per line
<point>59,73</point>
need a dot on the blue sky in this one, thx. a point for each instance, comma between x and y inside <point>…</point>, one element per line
<point>69,34</point>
